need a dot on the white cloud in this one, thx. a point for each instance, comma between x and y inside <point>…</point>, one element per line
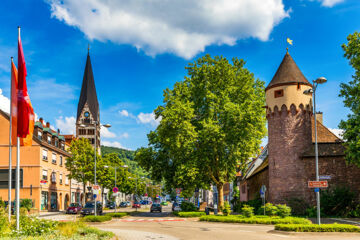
<point>106,133</point>
<point>124,113</point>
<point>148,118</point>
<point>124,135</point>
<point>66,125</point>
<point>45,89</point>
<point>330,3</point>
<point>114,144</point>
<point>4,103</point>
<point>182,27</point>
<point>338,132</point>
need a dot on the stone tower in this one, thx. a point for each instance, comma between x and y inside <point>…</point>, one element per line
<point>88,115</point>
<point>289,131</point>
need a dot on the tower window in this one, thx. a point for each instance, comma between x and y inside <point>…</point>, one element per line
<point>298,86</point>
<point>82,131</point>
<point>279,93</point>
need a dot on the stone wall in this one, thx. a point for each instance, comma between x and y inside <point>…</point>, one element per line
<point>255,182</point>
<point>289,136</point>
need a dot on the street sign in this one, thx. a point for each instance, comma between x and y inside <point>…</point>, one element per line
<point>43,181</point>
<point>115,189</point>
<point>96,191</point>
<point>178,190</point>
<point>317,184</point>
<point>316,189</point>
<point>325,177</point>
<point>96,187</point>
<point>145,194</point>
<point>94,196</point>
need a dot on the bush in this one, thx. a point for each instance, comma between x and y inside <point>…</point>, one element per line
<point>255,203</point>
<point>226,209</point>
<point>317,228</point>
<point>187,207</point>
<point>270,209</point>
<point>118,215</point>
<point>189,214</point>
<point>311,212</point>
<point>23,211</point>
<point>298,206</point>
<point>92,218</point>
<point>338,201</point>
<point>26,203</point>
<point>255,219</point>
<point>283,210</point>
<point>247,211</point>
<point>31,226</point>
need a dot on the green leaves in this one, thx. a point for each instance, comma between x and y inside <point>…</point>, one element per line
<point>351,94</point>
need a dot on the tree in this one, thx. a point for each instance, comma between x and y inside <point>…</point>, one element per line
<point>81,163</point>
<point>351,94</point>
<point>211,122</point>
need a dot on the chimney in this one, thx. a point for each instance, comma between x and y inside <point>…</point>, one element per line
<point>58,131</point>
<point>319,117</point>
<point>48,125</point>
<point>41,120</point>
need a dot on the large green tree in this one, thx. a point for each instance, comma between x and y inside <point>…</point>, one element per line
<point>211,122</point>
<point>351,94</point>
<point>81,162</point>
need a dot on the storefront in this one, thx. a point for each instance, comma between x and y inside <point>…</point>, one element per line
<point>44,200</point>
<point>53,201</point>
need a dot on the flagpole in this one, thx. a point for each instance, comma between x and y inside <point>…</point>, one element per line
<point>17,194</point>
<point>10,147</point>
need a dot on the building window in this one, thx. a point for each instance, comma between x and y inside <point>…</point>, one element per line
<point>39,134</point>
<point>44,155</point>
<point>61,160</point>
<point>66,180</point>
<point>49,139</point>
<point>298,86</point>
<point>91,131</point>
<point>86,120</point>
<point>44,200</point>
<point>82,131</point>
<point>54,158</point>
<point>44,175</point>
<point>60,178</point>
<point>279,93</point>
<point>92,141</point>
<point>56,143</point>
<point>62,146</point>
<point>53,177</point>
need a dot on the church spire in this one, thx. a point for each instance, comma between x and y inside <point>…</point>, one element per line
<point>88,92</point>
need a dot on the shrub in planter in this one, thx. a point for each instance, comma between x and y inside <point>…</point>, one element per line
<point>270,209</point>
<point>247,211</point>
<point>96,218</point>
<point>226,209</point>
<point>118,215</point>
<point>187,207</point>
<point>26,203</point>
<point>317,228</point>
<point>190,214</point>
<point>283,210</point>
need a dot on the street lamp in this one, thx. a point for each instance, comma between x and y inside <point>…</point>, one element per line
<point>123,166</point>
<point>312,92</point>
<point>96,124</point>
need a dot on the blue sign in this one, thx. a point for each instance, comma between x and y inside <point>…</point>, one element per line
<point>316,189</point>
<point>94,196</point>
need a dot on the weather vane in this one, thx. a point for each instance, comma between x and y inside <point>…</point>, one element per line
<point>290,42</point>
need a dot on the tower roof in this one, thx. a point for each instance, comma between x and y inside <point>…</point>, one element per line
<point>287,73</point>
<point>88,92</point>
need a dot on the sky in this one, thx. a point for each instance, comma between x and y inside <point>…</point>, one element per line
<point>139,48</point>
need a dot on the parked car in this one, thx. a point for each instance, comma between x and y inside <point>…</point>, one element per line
<point>74,208</point>
<point>156,207</point>
<point>175,207</point>
<point>89,208</point>
<point>136,205</point>
<point>123,204</point>
<point>110,205</point>
<point>128,203</point>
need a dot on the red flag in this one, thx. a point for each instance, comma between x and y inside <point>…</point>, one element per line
<point>25,111</point>
<point>14,86</point>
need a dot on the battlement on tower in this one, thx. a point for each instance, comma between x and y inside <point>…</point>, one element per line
<point>284,109</point>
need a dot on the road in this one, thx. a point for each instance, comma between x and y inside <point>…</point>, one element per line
<point>146,225</point>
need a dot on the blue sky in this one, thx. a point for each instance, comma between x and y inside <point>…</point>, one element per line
<point>139,49</point>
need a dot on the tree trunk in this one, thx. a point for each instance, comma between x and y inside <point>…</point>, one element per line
<point>84,192</point>
<point>220,195</point>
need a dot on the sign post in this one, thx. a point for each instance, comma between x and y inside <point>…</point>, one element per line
<point>262,195</point>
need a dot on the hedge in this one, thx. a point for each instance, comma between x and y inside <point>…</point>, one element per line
<point>92,218</point>
<point>118,214</point>
<point>189,214</point>
<point>317,228</point>
<point>255,220</point>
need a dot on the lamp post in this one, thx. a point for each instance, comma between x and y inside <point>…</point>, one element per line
<point>136,179</point>
<point>115,167</point>
<point>312,92</point>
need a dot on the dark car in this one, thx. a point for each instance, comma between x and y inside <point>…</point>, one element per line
<point>110,205</point>
<point>175,207</point>
<point>155,207</point>
<point>74,208</point>
<point>123,204</point>
<point>136,205</point>
<point>89,208</point>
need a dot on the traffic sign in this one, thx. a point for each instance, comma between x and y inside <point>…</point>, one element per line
<point>96,191</point>
<point>178,190</point>
<point>325,177</point>
<point>145,194</point>
<point>94,196</point>
<point>316,189</point>
<point>96,187</point>
<point>43,181</point>
<point>317,184</point>
<point>115,189</point>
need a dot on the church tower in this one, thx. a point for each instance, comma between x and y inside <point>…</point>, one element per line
<point>289,113</point>
<point>88,114</point>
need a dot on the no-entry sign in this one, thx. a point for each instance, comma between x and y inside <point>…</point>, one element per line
<point>317,184</point>
<point>115,189</point>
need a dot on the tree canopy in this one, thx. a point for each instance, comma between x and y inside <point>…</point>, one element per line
<point>351,94</point>
<point>211,123</point>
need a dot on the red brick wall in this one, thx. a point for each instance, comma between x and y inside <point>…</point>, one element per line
<point>289,135</point>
